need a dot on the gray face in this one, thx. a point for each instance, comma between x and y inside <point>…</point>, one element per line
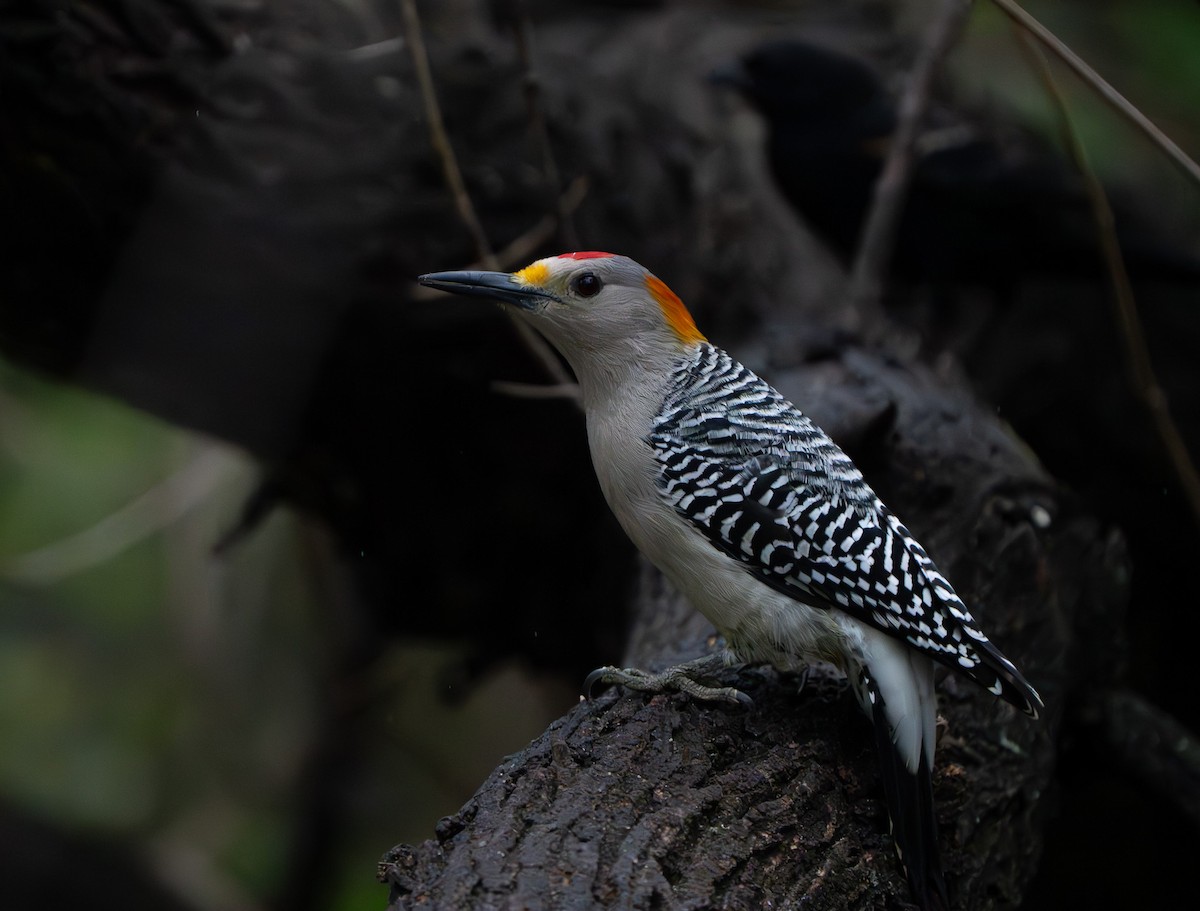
<point>586,304</point>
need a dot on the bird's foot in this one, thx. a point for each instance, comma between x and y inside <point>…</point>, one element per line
<point>684,678</point>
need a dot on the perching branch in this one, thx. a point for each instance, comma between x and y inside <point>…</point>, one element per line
<point>879,231</point>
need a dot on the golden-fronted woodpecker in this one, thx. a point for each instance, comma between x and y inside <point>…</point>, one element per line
<point>759,519</point>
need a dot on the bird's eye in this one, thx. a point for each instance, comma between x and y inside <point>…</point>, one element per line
<point>587,285</point>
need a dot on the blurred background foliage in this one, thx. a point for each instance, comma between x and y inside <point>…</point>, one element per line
<point>168,698</point>
<point>155,692</point>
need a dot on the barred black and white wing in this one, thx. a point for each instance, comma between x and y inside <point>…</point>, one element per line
<point>769,488</point>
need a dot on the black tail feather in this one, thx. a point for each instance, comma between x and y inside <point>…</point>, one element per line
<point>1005,680</point>
<point>910,808</point>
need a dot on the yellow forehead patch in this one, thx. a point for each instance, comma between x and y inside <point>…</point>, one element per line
<point>534,274</point>
<point>673,309</point>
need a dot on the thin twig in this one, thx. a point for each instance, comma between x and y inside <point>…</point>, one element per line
<point>541,351</point>
<point>1144,379</point>
<point>1097,82</point>
<point>879,232</point>
<point>523,246</point>
<point>370,52</point>
<point>518,250</point>
<point>438,136</point>
<point>146,514</point>
<point>536,345</point>
<point>523,37</point>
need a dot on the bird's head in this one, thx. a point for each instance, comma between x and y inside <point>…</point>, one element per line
<point>598,309</point>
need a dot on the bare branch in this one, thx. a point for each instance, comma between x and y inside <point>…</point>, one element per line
<point>438,136</point>
<point>1144,379</point>
<point>1097,82</point>
<point>879,231</point>
<point>144,515</point>
<point>523,36</point>
<point>537,346</point>
<point>520,248</point>
<point>523,246</point>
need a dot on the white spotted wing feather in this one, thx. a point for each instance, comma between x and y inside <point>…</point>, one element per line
<point>769,488</point>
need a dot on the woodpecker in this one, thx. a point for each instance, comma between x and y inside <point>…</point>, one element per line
<point>759,519</point>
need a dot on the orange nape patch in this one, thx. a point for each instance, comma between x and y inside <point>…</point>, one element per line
<point>673,309</point>
<point>533,274</point>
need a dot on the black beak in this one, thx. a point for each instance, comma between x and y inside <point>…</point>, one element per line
<point>499,286</point>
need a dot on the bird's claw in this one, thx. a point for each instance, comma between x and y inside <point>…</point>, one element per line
<point>681,677</point>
